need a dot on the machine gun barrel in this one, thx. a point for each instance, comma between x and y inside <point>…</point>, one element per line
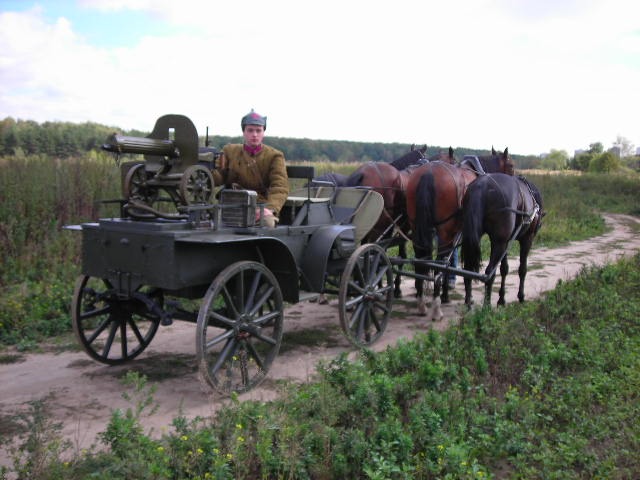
<point>143,145</point>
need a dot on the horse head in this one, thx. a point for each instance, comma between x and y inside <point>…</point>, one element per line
<point>506,163</point>
<point>412,157</point>
<point>498,162</point>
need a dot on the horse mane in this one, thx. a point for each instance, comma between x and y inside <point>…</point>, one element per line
<point>355,179</point>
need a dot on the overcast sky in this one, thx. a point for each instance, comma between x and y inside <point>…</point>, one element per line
<point>529,75</point>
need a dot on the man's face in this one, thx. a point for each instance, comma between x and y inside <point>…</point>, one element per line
<point>253,135</point>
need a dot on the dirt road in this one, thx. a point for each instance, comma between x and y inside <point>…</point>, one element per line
<point>82,393</point>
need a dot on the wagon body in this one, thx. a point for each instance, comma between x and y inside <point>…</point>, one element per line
<point>213,264</point>
<point>183,260</point>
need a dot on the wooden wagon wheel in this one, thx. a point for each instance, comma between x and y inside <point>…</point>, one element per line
<point>196,185</point>
<point>366,295</point>
<point>113,330</point>
<point>239,329</point>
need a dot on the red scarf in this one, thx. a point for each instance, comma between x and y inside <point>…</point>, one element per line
<point>253,151</point>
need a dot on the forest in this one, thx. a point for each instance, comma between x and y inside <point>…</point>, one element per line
<point>66,140</point>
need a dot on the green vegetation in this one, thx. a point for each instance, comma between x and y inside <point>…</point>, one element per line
<point>39,195</point>
<point>546,389</point>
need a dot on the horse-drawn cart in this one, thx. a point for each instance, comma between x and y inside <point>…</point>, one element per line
<point>212,263</point>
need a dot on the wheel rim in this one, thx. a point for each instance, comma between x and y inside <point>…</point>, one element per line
<point>196,185</point>
<point>113,330</point>
<point>239,328</point>
<point>366,295</point>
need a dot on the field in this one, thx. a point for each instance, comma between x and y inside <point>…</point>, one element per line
<point>531,391</point>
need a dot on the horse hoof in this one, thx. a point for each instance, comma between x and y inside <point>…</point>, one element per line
<point>322,300</point>
<point>397,294</point>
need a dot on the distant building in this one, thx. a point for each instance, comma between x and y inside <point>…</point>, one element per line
<point>578,152</point>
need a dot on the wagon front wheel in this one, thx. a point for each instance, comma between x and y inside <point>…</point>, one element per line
<point>113,329</point>
<point>366,295</point>
<point>239,329</point>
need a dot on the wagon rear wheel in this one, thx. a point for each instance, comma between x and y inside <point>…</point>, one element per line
<point>366,295</point>
<point>111,329</point>
<point>239,329</point>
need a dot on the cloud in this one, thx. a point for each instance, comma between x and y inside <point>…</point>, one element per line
<point>470,73</point>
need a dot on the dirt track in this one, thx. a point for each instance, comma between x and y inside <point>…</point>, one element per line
<point>82,393</point>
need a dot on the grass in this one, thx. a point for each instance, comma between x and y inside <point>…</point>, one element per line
<point>41,260</point>
<point>545,389</point>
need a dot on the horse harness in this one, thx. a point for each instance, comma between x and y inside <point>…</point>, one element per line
<point>530,209</point>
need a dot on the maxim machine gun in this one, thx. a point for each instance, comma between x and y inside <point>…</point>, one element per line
<point>173,163</point>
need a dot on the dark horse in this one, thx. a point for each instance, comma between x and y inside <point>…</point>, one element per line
<point>434,197</point>
<point>336,179</point>
<point>506,208</point>
<point>413,157</point>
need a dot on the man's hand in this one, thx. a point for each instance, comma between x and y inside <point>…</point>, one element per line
<point>268,217</point>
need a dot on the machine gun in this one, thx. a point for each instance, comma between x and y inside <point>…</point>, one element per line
<point>172,163</point>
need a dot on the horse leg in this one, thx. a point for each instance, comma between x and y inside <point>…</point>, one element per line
<point>435,312</point>
<point>420,270</point>
<point>525,247</point>
<point>468,296</point>
<point>504,271</point>
<point>447,277</point>
<point>498,246</point>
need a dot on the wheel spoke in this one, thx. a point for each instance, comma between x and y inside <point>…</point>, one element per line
<point>112,334</point>
<point>255,283</point>
<point>255,355</point>
<point>103,324</point>
<point>228,299</point>
<point>123,338</point>
<point>216,340</point>
<point>261,301</point>
<point>136,331</point>
<point>224,355</point>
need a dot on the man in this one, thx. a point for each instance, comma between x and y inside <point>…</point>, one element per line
<point>255,166</point>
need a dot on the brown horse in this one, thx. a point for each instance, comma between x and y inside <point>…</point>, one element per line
<point>434,197</point>
<point>391,229</point>
<point>506,208</point>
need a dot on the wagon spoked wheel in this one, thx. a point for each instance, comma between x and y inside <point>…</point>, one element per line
<point>239,329</point>
<point>366,295</point>
<point>196,185</point>
<point>136,188</point>
<point>112,329</point>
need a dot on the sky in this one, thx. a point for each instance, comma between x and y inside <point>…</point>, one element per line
<point>530,76</point>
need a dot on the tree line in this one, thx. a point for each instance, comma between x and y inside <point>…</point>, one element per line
<point>68,140</point>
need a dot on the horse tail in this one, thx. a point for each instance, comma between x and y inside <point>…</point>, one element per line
<point>424,222</point>
<point>473,213</point>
